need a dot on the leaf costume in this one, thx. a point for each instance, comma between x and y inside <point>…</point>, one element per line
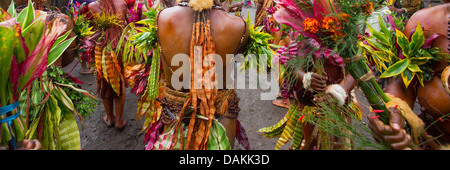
<point>108,66</point>
<point>186,120</point>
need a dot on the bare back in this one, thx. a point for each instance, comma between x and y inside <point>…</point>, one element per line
<point>175,28</point>
<point>120,5</point>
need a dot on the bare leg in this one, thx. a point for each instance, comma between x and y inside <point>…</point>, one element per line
<point>119,104</point>
<point>230,128</point>
<point>109,108</point>
<point>84,68</point>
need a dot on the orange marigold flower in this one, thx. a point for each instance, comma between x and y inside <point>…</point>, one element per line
<point>343,16</point>
<point>336,34</point>
<point>367,8</point>
<point>311,25</point>
<point>329,23</point>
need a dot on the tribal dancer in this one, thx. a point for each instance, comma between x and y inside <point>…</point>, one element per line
<point>200,117</point>
<point>108,17</point>
<point>315,75</point>
<point>433,97</point>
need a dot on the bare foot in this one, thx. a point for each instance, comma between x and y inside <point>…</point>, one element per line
<point>121,125</point>
<point>85,72</point>
<point>282,103</point>
<point>107,121</point>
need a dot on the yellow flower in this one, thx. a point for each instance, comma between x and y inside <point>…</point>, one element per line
<point>311,25</point>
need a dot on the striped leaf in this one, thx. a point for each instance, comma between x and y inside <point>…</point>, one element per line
<point>164,141</point>
<point>287,133</point>
<point>403,42</point>
<point>417,39</point>
<point>298,136</point>
<point>396,68</point>
<point>218,139</point>
<point>277,125</point>
<point>70,135</point>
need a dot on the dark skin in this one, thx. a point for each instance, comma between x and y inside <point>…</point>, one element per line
<point>175,28</point>
<point>394,133</point>
<point>319,84</point>
<point>112,103</point>
<point>432,96</point>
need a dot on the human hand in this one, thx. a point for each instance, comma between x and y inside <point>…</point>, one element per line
<point>29,145</point>
<point>391,7</point>
<point>394,134</point>
<point>318,82</point>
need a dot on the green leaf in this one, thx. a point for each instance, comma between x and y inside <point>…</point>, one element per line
<point>414,68</point>
<point>383,26</point>
<point>6,55</point>
<point>382,38</point>
<point>62,96</point>
<point>218,139</point>
<point>277,125</point>
<point>288,131</point>
<point>419,60</point>
<point>372,42</point>
<point>407,77</point>
<point>395,69</point>
<point>420,77</point>
<point>61,38</point>
<point>86,93</point>
<point>70,135</point>
<point>417,40</point>
<point>56,52</point>
<point>33,34</point>
<point>26,16</point>
<point>12,9</point>
<point>403,43</point>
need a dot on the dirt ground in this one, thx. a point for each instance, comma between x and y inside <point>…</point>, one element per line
<point>255,114</point>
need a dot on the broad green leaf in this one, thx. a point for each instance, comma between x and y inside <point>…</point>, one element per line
<point>277,125</point>
<point>12,9</point>
<point>56,52</point>
<point>395,69</point>
<point>298,136</point>
<point>6,53</point>
<point>61,38</point>
<point>70,135</point>
<point>26,16</point>
<point>420,77</point>
<point>419,60</point>
<point>47,139</point>
<point>382,38</point>
<point>33,34</point>
<point>414,68</point>
<point>407,77</point>
<point>62,96</point>
<point>374,43</point>
<point>218,139</point>
<point>383,26</point>
<point>403,43</point>
<point>417,40</point>
<point>288,131</point>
